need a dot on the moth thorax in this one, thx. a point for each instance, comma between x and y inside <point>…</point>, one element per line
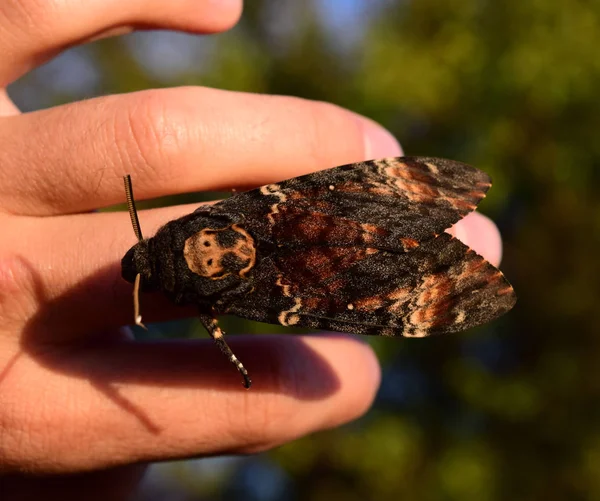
<point>217,253</point>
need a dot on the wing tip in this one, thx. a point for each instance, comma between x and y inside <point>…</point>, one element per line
<point>460,178</point>
<point>454,167</point>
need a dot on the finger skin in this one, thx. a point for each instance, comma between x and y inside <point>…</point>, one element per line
<point>481,234</point>
<point>172,141</point>
<point>34,31</point>
<point>126,402</point>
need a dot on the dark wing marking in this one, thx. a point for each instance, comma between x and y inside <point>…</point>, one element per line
<point>440,287</point>
<point>392,204</point>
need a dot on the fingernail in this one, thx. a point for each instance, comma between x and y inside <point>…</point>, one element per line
<point>379,142</point>
<point>480,234</point>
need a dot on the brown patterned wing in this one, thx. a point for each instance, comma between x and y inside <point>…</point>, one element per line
<point>392,204</point>
<point>440,287</point>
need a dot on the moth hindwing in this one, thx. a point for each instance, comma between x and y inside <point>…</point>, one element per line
<point>359,248</point>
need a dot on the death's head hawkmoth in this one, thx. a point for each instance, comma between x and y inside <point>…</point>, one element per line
<point>359,248</point>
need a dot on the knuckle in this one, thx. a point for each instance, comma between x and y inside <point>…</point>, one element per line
<point>264,423</point>
<point>150,132</point>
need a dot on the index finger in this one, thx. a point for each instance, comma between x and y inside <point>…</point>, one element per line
<point>32,31</point>
<point>126,402</point>
<point>172,141</point>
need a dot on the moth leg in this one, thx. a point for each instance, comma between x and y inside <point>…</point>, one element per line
<point>212,326</point>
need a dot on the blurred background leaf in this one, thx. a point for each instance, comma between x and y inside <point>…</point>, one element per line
<point>509,411</point>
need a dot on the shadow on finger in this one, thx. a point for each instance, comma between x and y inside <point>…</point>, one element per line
<point>57,339</point>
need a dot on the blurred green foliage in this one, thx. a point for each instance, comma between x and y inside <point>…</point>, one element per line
<point>512,410</point>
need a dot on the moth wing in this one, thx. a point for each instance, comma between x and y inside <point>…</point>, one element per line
<point>440,287</point>
<point>392,203</point>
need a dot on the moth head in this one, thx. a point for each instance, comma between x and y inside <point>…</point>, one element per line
<point>137,262</point>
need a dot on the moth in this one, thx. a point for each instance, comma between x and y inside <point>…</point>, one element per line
<point>359,248</point>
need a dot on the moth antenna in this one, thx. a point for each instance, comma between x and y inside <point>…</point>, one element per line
<point>135,222</point>
<point>136,302</point>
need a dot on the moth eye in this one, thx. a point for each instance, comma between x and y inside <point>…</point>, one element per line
<point>206,243</point>
<point>209,262</point>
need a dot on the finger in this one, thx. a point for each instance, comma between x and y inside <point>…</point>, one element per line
<point>173,141</point>
<point>481,234</point>
<point>131,402</point>
<point>33,31</point>
<point>75,285</point>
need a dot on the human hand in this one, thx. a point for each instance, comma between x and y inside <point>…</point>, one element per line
<point>76,394</point>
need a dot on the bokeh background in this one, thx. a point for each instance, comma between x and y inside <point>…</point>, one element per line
<point>508,411</point>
